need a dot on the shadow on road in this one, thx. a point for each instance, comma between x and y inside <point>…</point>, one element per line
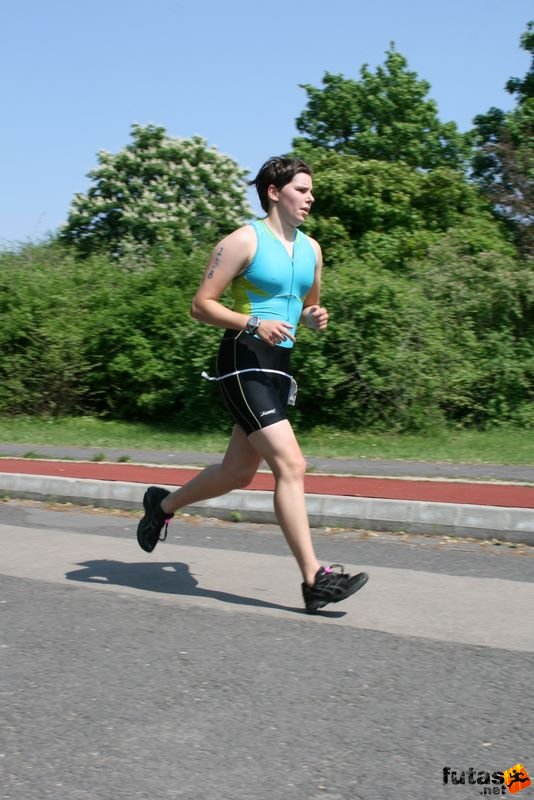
<point>167,577</point>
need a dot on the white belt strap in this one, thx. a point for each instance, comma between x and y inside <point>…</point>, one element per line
<point>293,388</point>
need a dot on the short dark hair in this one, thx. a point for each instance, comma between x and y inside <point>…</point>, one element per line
<point>277,171</point>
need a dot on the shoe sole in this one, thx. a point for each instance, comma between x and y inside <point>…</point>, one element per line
<point>315,605</point>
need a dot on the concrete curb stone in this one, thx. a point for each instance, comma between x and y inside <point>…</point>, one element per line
<point>375,514</point>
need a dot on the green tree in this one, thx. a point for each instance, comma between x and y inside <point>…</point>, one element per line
<point>503,161</point>
<point>149,350</point>
<point>431,313</point>
<point>385,116</point>
<point>44,312</point>
<point>388,213</point>
<point>447,341</point>
<point>524,87</point>
<point>81,336</point>
<point>390,176</point>
<point>375,365</point>
<point>157,191</point>
<point>485,302</point>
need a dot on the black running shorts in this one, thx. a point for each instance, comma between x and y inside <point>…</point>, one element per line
<point>254,380</point>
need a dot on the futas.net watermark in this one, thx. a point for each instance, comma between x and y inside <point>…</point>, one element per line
<point>500,782</point>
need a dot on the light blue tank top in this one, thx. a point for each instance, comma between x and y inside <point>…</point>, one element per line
<point>275,285</point>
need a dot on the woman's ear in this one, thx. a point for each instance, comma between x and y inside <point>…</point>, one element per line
<point>272,193</point>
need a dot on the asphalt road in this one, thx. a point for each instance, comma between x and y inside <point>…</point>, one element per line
<point>193,673</point>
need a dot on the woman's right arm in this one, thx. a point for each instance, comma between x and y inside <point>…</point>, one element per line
<point>230,257</point>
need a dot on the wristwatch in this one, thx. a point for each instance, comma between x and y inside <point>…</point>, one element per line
<point>252,325</point>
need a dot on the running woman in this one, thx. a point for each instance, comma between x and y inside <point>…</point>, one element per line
<point>274,273</point>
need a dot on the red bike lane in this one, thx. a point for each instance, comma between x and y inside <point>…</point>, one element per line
<point>437,491</point>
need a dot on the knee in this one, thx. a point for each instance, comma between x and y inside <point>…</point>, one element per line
<point>292,466</point>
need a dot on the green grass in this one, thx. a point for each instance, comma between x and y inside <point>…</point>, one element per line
<point>96,432</point>
<point>499,446</point>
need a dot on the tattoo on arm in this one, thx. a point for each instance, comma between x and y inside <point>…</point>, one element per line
<point>218,254</point>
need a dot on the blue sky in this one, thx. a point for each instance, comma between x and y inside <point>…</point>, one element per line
<point>74,76</point>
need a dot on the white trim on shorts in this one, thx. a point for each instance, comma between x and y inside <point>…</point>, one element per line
<point>293,388</point>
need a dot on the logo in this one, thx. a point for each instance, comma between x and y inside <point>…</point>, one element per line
<point>516,778</point>
<point>266,413</point>
<point>489,783</point>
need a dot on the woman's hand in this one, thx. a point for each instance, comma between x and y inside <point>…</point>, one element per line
<point>315,317</point>
<point>274,332</point>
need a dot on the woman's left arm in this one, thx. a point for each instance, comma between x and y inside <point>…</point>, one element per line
<point>313,314</point>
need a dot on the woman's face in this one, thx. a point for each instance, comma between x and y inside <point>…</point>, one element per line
<point>294,200</point>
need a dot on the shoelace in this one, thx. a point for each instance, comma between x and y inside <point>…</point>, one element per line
<point>332,580</point>
<point>330,570</point>
<point>163,534</point>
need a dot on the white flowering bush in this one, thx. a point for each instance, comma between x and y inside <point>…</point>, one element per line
<point>157,191</point>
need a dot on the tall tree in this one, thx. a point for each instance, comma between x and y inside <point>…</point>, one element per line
<point>158,190</point>
<point>385,116</point>
<point>388,209</point>
<point>503,162</point>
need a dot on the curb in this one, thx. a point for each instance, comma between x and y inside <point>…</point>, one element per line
<point>375,514</point>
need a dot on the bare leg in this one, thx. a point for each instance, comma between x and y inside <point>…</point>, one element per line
<point>238,467</point>
<point>278,446</point>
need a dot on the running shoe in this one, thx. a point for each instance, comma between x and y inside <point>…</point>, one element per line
<point>331,587</point>
<point>155,519</point>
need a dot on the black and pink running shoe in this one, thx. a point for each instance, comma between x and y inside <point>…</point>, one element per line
<point>331,587</point>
